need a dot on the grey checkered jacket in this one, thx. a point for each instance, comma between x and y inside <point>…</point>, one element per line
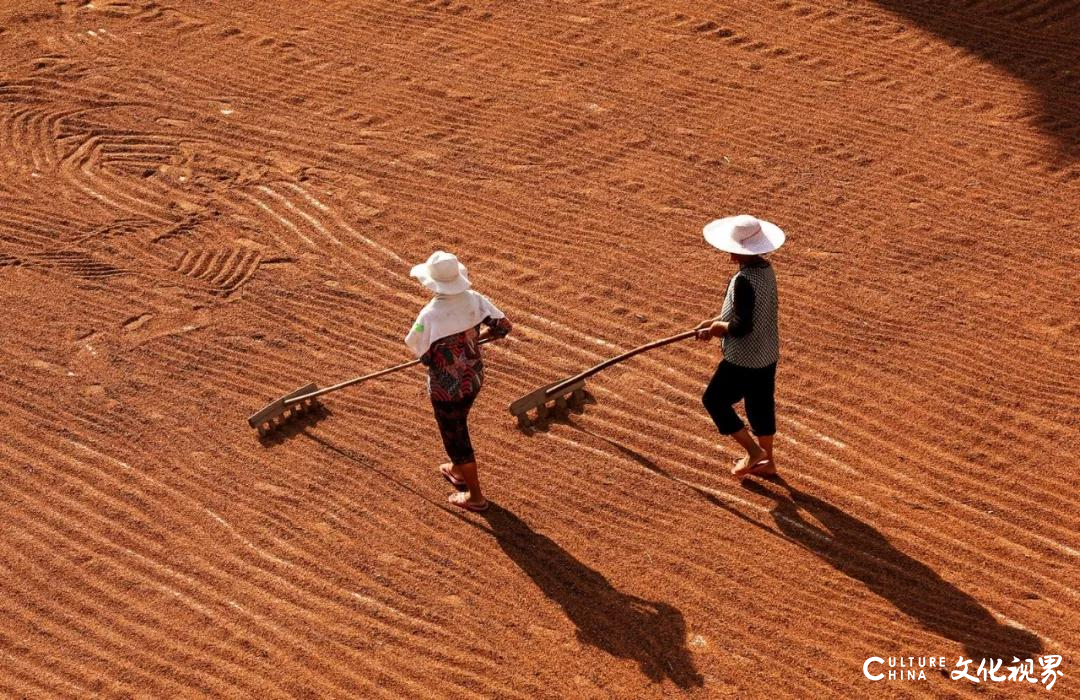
<point>760,347</point>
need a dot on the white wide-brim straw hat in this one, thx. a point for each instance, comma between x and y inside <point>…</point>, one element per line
<point>442,273</point>
<point>744,234</point>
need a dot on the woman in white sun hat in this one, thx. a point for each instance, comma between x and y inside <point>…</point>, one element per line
<point>751,341</point>
<point>445,336</point>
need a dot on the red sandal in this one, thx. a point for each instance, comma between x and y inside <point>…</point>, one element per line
<point>445,470</point>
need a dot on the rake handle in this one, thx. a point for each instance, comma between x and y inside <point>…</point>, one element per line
<point>615,360</point>
<point>357,380</point>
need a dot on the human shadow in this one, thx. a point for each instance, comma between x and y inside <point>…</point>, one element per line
<point>1037,44</point>
<point>652,466</point>
<point>860,551</point>
<point>651,633</point>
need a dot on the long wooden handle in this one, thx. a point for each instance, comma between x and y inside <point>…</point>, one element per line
<point>615,360</point>
<point>357,380</point>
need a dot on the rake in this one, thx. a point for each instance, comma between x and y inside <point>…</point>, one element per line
<point>304,400</point>
<point>570,393</point>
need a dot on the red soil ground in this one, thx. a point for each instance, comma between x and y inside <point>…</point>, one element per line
<point>208,204</point>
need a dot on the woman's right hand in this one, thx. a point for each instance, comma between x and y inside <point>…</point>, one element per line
<point>703,330</point>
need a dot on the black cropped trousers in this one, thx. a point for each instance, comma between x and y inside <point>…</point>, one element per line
<point>755,387</point>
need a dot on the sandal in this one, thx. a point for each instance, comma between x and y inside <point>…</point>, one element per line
<point>461,500</point>
<point>459,484</point>
<point>765,467</point>
<point>744,467</point>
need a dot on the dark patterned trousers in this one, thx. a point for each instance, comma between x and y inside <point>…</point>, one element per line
<point>452,417</point>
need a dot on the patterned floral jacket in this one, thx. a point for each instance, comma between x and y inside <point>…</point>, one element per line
<point>455,368</point>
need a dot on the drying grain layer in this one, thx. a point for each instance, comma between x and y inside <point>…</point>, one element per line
<point>205,205</point>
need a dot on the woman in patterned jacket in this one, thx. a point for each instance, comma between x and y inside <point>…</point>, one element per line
<point>751,341</point>
<point>446,337</point>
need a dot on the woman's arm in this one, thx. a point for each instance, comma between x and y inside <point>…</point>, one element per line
<point>742,320</point>
<point>742,317</point>
<point>496,327</point>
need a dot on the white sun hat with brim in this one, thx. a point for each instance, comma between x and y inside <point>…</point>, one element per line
<point>744,234</point>
<point>442,273</point>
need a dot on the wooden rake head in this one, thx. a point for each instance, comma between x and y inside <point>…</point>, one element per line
<point>281,412</point>
<point>553,399</point>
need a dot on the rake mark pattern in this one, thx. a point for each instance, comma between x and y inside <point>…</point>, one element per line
<point>209,204</point>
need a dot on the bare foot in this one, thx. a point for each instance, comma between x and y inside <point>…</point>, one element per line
<point>464,500</point>
<point>745,466</point>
